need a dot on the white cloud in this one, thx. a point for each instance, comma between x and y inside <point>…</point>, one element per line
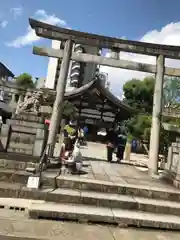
<point>169,35</point>
<point>3,24</point>
<point>52,19</point>
<point>16,11</point>
<point>30,35</point>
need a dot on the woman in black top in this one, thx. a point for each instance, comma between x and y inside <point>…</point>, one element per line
<point>111,140</point>
<point>121,143</point>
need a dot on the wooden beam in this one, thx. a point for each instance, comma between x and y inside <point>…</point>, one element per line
<point>53,32</point>
<point>124,64</point>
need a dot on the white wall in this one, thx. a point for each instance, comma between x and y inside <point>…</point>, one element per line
<point>52,66</point>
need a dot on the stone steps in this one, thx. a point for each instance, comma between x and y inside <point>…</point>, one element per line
<point>83,213</point>
<point>82,199</point>
<point>37,209</point>
<point>91,185</point>
<point>103,200</point>
<point>114,201</point>
<point>167,193</point>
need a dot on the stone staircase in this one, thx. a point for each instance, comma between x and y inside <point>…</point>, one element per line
<point>87,200</point>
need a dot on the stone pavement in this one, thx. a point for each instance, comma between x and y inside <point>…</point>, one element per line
<point>99,169</point>
<point>118,174</point>
<point>20,226</point>
<point>132,172</point>
<point>97,151</point>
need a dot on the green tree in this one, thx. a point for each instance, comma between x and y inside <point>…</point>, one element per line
<point>69,111</point>
<point>171,94</point>
<point>139,94</point>
<point>139,126</point>
<point>25,81</point>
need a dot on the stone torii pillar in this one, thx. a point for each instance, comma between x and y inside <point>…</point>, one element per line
<point>58,103</point>
<point>156,117</point>
<point>115,53</point>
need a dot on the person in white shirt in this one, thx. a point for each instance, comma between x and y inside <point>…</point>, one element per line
<point>1,96</point>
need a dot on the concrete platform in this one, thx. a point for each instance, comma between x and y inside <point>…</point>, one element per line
<point>17,227</point>
<point>82,213</point>
<point>107,215</point>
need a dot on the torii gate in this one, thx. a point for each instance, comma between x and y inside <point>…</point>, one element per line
<point>115,45</point>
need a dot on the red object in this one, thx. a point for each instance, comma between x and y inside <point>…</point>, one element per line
<point>47,121</point>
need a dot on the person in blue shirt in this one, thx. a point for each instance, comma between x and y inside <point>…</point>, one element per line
<point>134,145</point>
<point>85,129</point>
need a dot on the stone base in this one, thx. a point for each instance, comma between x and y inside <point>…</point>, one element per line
<point>24,134</point>
<point>29,117</point>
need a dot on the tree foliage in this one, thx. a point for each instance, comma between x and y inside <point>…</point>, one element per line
<point>139,126</point>
<point>139,94</point>
<point>25,81</point>
<point>171,91</point>
<point>69,110</point>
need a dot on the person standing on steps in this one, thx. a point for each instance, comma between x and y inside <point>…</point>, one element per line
<point>80,135</point>
<point>111,139</point>
<point>121,143</point>
<point>85,133</point>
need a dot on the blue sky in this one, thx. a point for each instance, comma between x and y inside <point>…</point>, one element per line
<point>145,20</point>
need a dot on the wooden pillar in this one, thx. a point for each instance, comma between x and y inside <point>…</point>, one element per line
<point>156,117</point>
<point>58,103</point>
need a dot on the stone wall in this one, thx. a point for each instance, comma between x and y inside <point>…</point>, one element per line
<point>24,134</point>
<point>173,163</point>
